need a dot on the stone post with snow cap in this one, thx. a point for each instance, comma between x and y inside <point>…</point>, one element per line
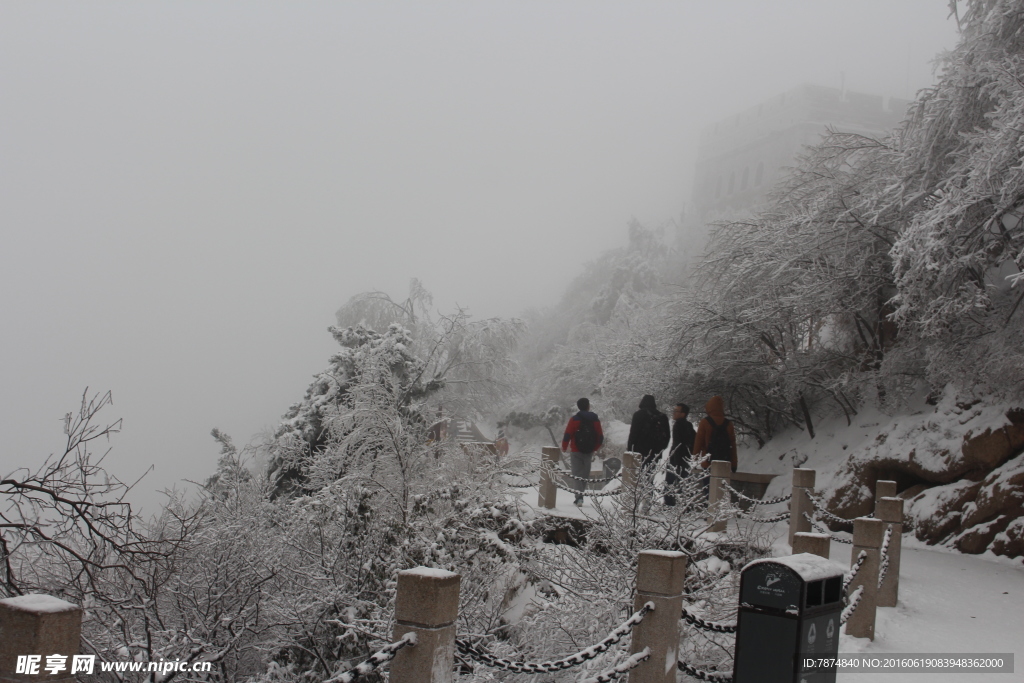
<point>890,512</point>
<point>42,627</point>
<point>659,580</point>
<point>427,603</point>
<point>815,544</point>
<point>630,462</point>
<point>800,502</point>
<point>546,487</point>
<point>884,488</point>
<point>867,537</point>
<point>718,495</point>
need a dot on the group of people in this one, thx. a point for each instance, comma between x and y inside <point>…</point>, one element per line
<point>649,435</point>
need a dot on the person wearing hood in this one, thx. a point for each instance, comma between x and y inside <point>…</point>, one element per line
<point>648,432</point>
<point>716,438</point>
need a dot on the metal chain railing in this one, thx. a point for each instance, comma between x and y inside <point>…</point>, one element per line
<point>624,667</point>
<point>884,555</point>
<point>557,472</point>
<point>613,492</point>
<point>486,658</point>
<point>759,501</point>
<point>820,507</point>
<point>854,601</point>
<point>710,676</point>
<point>767,520</point>
<point>385,654</point>
<point>854,569</point>
<point>824,529</point>
<point>707,625</point>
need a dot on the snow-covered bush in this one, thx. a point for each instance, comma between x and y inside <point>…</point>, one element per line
<point>422,363</point>
<point>574,594</point>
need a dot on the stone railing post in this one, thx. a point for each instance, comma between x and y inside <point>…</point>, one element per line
<point>659,579</point>
<point>890,512</point>
<point>867,536</point>
<point>884,489</point>
<point>38,626</point>
<point>546,488</point>
<point>718,496</point>
<point>815,544</point>
<point>630,463</point>
<point>799,503</point>
<point>427,603</point>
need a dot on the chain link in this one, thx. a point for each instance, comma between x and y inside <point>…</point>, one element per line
<point>585,480</point>
<point>820,507</point>
<point>630,663</point>
<point>385,654</point>
<point>614,492</point>
<point>710,676</point>
<point>486,658</point>
<point>844,616</point>
<point>854,569</point>
<point>758,501</point>
<point>824,529</point>
<point>707,625</point>
<point>767,520</point>
<point>884,553</point>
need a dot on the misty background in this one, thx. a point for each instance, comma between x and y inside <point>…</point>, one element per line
<point>188,191</point>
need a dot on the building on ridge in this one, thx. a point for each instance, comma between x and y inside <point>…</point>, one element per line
<point>741,158</point>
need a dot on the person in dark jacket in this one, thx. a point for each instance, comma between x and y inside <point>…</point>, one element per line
<point>682,446</point>
<point>648,435</point>
<point>583,435</point>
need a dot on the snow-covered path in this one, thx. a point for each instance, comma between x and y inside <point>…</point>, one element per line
<point>948,603</point>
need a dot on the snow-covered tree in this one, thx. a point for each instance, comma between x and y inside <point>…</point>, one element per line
<point>958,261</point>
<point>607,337</point>
<point>465,365</point>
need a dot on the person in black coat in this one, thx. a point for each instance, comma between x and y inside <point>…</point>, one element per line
<point>648,432</point>
<point>683,435</point>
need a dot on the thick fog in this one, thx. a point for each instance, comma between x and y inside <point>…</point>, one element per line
<point>189,190</point>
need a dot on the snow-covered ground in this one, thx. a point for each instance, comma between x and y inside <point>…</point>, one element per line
<point>564,506</point>
<point>948,603</point>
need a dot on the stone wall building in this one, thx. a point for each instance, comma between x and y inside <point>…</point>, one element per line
<point>742,157</point>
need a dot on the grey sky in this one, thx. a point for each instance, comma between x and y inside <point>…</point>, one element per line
<point>189,190</point>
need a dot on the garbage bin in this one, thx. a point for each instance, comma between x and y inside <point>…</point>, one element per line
<point>788,618</point>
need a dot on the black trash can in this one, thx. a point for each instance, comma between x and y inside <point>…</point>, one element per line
<point>788,620</point>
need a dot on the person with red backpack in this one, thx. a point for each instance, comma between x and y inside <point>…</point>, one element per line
<point>583,436</point>
<point>716,438</point>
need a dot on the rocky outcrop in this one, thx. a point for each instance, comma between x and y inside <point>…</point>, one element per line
<point>960,470</point>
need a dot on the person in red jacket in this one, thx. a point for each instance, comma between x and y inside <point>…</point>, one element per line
<point>716,438</point>
<point>583,435</point>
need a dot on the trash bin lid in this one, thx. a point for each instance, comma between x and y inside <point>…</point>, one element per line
<point>778,582</point>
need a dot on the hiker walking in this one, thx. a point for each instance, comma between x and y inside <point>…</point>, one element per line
<point>648,435</point>
<point>583,436</point>
<point>716,438</point>
<point>682,446</point>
